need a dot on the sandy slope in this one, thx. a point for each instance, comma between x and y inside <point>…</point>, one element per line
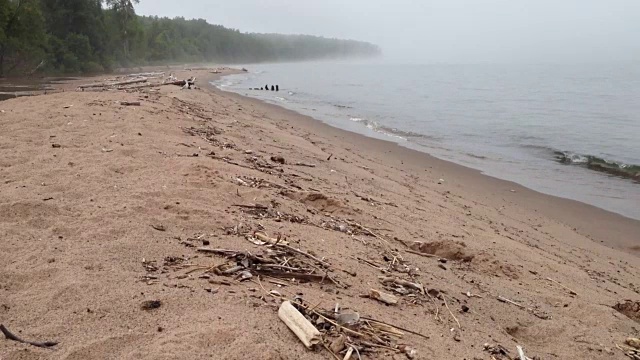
<point>77,220</point>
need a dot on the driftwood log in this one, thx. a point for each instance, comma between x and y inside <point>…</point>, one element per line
<point>120,83</point>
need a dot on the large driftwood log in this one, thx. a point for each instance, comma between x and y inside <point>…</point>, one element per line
<point>128,82</point>
<point>304,330</point>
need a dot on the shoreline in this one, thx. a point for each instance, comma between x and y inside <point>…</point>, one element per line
<point>620,232</point>
<point>134,232</point>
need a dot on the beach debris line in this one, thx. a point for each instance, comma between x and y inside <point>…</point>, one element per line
<point>360,335</point>
<point>10,336</point>
<point>279,260</point>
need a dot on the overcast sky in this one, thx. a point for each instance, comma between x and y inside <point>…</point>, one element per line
<point>452,31</point>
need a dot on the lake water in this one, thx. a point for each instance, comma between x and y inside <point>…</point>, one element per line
<point>552,128</point>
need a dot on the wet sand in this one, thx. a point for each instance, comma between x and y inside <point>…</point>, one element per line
<point>89,191</point>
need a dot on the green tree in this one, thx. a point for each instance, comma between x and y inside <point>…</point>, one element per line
<point>21,34</point>
<point>126,15</point>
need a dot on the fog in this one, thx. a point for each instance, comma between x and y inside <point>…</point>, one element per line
<point>441,31</point>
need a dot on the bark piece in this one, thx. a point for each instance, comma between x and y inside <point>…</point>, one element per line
<point>383,297</point>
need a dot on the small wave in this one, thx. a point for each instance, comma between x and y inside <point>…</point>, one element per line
<point>628,171</point>
<point>394,132</point>
<point>476,156</point>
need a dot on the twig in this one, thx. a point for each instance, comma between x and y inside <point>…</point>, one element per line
<point>394,326</point>
<point>505,300</point>
<point>420,253</point>
<point>330,352</point>
<point>470,295</point>
<point>10,336</point>
<point>334,323</point>
<point>278,283</point>
<point>570,291</point>
<point>370,263</point>
<point>256,206</point>
<point>304,164</point>
<point>521,352</point>
<point>218,251</point>
<point>450,312</point>
<point>304,253</point>
<point>369,232</point>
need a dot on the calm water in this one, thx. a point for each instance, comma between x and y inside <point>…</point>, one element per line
<point>507,121</point>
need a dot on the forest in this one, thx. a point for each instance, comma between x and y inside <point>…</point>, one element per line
<point>95,36</point>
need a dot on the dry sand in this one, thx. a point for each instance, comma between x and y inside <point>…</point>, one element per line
<point>77,220</point>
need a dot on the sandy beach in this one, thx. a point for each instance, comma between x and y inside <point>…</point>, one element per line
<point>106,209</point>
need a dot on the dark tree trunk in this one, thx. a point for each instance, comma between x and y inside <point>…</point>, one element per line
<point>2,62</point>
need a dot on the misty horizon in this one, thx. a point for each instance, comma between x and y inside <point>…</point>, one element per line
<point>439,31</point>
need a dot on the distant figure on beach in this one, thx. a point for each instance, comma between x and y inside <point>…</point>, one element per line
<point>266,87</point>
<point>277,87</point>
<point>273,88</point>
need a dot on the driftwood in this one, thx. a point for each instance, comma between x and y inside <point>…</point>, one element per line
<point>130,103</point>
<point>305,164</point>
<point>147,74</point>
<point>383,297</point>
<point>121,83</point>
<point>11,336</point>
<point>564,287</point>
<point>505,300</point>
<point>386,280</point>
<point>300,326</point>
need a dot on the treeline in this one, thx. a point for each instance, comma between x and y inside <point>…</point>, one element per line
<point>89,36</point>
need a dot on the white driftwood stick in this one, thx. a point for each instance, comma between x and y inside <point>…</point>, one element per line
<point>505,300</point>
<point>385,298</point>
<point>300,326</point>
<point>521,353</point>
<point>564,287</point>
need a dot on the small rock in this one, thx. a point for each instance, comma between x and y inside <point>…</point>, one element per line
<point>160,329</point>
<point>456,336</point>
<point>442,267</point>
<point>151,304</point>
<point>348,318</point>
<point>56,146</point>
<point>206,242</point>
<point>465,308</point>
<point>278,159</point>
<point>444,261</point>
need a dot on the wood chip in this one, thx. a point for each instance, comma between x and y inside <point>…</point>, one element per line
<point>383,297</point>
